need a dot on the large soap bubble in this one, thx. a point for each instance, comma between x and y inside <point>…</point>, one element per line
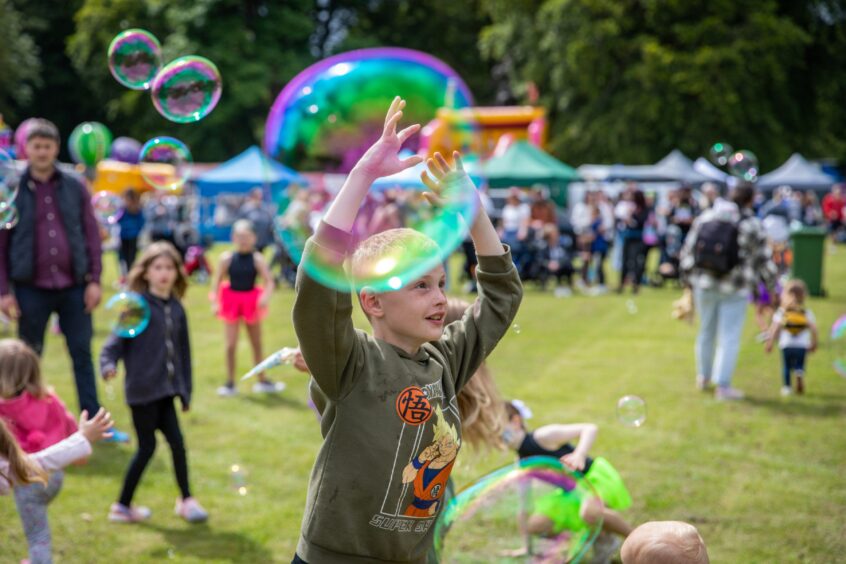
<point>328,115</point>
<point>187,89</point>
<point>534,511</point>
<point>135,56</point>
<point>129,313</point>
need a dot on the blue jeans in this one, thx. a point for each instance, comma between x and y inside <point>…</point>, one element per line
<point>721,318</point>
<point>36,306</point>
<point>793,361</point>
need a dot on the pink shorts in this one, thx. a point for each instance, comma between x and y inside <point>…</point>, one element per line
<point>234,306</point>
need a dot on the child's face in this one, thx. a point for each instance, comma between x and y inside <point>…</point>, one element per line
<point>243,240</point>
<point>161,275</point>
<point>413,315</point>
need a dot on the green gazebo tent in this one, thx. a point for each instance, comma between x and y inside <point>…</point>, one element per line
<point>523,164</point>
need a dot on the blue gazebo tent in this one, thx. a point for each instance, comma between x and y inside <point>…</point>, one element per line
<point>222,190</point>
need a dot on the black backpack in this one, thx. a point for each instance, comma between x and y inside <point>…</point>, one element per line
<point>716,248</point>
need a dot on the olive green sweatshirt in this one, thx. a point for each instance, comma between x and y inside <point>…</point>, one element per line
<point>391,424</point>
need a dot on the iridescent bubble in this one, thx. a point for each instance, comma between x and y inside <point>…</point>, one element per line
<point>108,207</point>
<point>328,115</point>
<point>129,313</point>
<point>631,411</point>
<point>720,153</point>
<point>838,343</point>
<point>165,163</point>
<point>8,217</point>
<point>527,512</point>
<point>238,476</point>
<point>744,164</point>
<point>516,328</point>
<point>434,232</point>
<point>135,56</point>
<point>89,143</point>
<point>8,180</point>
<point>187,89</point>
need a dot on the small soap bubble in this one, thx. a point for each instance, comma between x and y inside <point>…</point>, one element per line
<point>516,329</point>
<point>631,307</point>
<point>108,207</point>
<point>130,314</point>
<point>720,153</point>
<point>135,57</point>
<point>631,411</point>
<point>8,217</point>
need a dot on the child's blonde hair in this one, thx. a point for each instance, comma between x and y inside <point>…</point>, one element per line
<point>479,402</point>
<point>384,252</point>
<point>20,370</point>
<point>664,542</point>
<point>793,294</point>
<point>136,280</point>
<point>22,470</point>
<point>243,226</point>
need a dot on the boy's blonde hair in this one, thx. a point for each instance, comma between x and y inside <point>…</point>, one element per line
<point>389,251</point>
<point>793,294</point>
<point>479,402</point>
<point>664,542</point>
<point>20,370</point>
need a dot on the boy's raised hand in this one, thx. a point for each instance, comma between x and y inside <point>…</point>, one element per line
<point>443,176</point>
<point>382,158</point>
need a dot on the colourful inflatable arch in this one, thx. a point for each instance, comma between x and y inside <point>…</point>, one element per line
<point>483,131</point>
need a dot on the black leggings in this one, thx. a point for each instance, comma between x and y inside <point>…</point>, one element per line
<point>634,257</point>
<point>126,254</point>
<point>147,418</point>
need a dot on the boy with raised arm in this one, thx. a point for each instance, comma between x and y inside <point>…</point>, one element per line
<point>391,425</point>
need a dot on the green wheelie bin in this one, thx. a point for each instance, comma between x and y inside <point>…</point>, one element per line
<point>808,253</point>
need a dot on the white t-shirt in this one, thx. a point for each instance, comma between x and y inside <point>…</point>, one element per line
<point>513,217</point>
<point>786,339</point>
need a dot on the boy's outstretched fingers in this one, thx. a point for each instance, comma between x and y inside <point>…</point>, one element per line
<point>459,164</point>
<point>442,162</point>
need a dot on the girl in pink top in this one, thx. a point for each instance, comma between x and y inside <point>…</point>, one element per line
<point>37,419</point>
<point>36,416</point>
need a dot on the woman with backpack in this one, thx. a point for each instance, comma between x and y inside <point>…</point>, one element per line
<point>723,258</point>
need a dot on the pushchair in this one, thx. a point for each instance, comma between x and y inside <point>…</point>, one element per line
<point>668,265</point>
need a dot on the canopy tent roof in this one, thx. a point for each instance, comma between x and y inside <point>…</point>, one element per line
<point>523,164</point>
<point>250,169</point>
<point>797,172</point>
<point>705,168</point>
<point>676,166</point>
<point>673,167</point>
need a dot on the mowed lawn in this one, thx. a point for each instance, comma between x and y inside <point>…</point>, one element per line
<point>764,479</point>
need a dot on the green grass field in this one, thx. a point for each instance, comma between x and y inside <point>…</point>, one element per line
<point>762,479</point>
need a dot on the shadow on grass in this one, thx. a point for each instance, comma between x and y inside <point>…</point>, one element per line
<point>201,541</point>
<point>276,400</point>
<point>810,405</point>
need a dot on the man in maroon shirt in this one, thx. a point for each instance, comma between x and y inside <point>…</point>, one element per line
<point>50,262</point>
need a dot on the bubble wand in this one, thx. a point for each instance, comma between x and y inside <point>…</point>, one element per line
<point>282,356</point>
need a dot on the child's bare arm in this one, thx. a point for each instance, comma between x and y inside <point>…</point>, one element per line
<point>267,279</point>
<point>553,437</point>
<point>380,160</point>
<point>772,335</point>
<point>217,276</point>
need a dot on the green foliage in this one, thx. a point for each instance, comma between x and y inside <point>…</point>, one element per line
<point>20,68</point>
<point>258,47</point>
<point>447,30</point>
<point>629,80</point>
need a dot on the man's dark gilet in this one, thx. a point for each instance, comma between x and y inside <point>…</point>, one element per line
<point>69,195</point>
